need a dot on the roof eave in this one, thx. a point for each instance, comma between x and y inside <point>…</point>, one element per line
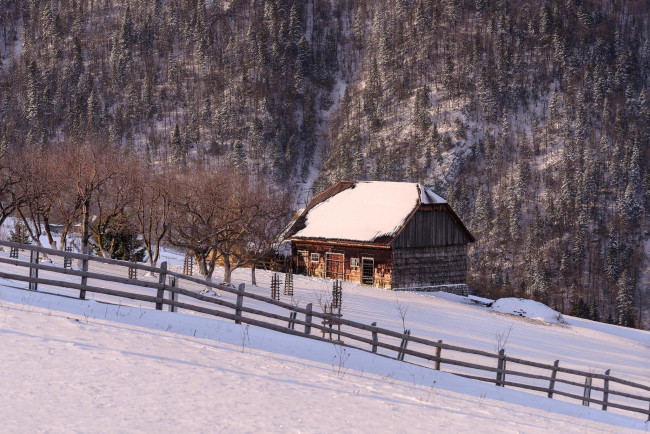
<point>369,244</point>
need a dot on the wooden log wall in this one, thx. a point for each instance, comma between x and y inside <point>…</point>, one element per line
<point>382,261</point>
<point>427,266</point>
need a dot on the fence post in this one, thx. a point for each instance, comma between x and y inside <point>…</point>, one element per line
<point>308,319</point>
<point>67,261</point>
<point>438,352</point>
<point>33,272</point>
<point>501,367</point>
<point>292,320</point>
<point>587,392</point>
<point>161,279</point>
<point>551,385</point>
<point>172,295</point>
<point>240,302</point>
<point>133,272</point>
<point>374,338</point>
<point>84,278</point>
<point>606,391</point>
<point>403,344</point>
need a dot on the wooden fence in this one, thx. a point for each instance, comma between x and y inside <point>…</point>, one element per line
<point>497,368</point>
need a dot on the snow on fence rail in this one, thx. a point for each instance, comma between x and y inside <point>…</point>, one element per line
<point>574,384</point>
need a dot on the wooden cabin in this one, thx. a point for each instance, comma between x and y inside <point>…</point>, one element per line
<point>394,235</point>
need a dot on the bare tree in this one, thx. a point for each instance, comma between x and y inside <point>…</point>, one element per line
<point>90,166</point>
<point>8,198</point>
<point>225,215</point>
<point>110,205</point>
<point>259,213</point>
<point>34,174</point>
<point>151,213</point>
<point>66,207</point>
<point>197,215</point>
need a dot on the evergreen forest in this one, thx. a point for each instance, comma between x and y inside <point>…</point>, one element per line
<point>532,118</point>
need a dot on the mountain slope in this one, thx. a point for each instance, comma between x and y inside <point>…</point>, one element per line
<point>532,118</point>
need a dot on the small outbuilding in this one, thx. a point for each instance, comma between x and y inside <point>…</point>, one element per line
<point>395,235</point>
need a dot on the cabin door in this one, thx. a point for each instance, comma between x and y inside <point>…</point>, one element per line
<point>368,271</point>
<point>335,265</point>
<point>303,261</point>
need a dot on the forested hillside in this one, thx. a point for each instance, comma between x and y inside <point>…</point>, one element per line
<point>531,117</point>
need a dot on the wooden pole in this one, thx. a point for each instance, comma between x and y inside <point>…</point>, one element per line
<point>84,268</point>
<point>553,375</point>
<point>438,353</point>
<point>500,367</point>
<point>292,320</point>
<point>403,344</point>
<point>161,279</point>
<point>33,271</point>
<point>374,338</point>
<point>606,391</point>
<point>308,319</point>
<point>173,296</point>
<point>587,392</point>
<point>240,302</point>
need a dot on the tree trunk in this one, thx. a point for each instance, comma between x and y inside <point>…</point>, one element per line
<point>200,261</point>
<point>48,232</point>
<point>253,280</point>
<point>63,241</point>
<point>85,234</point>
<point>227,270</point>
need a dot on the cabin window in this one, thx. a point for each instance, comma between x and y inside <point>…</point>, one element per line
<point>315,257</point>
<point>354,262</point>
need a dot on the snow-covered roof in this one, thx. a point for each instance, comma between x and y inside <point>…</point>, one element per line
<point>363,211</point>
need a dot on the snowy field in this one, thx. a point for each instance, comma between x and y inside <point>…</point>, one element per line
<point>71,365</point>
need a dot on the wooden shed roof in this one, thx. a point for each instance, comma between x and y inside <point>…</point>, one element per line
<point>365,212</point>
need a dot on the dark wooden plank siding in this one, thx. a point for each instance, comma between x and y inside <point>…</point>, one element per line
<point>429,228</point>
<point>429,266</point>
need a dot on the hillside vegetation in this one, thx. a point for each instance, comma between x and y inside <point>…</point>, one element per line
<point>532,118</point>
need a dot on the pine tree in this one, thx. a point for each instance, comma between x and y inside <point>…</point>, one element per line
<point>625,299</point>
<point>19,233</point>
<point>372,102</point>
<point>594,312</point>
<point>177,147</point>
<point>481,210</point>
<point>238,155</point>
<point>611,260</point>
<point>421,109</point>
<point>514,212</point>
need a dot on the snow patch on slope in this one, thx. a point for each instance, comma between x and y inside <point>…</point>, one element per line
<point>527,308</point>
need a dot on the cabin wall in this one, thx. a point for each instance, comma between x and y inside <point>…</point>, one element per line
<point>428,228</point>
<point>429,266</point>
<point>382,259</point>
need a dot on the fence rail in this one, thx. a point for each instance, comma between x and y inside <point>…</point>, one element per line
<point>371,338</point>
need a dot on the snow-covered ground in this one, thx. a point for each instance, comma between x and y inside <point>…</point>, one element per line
<point>72,365</point>
<point>131,369</point>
